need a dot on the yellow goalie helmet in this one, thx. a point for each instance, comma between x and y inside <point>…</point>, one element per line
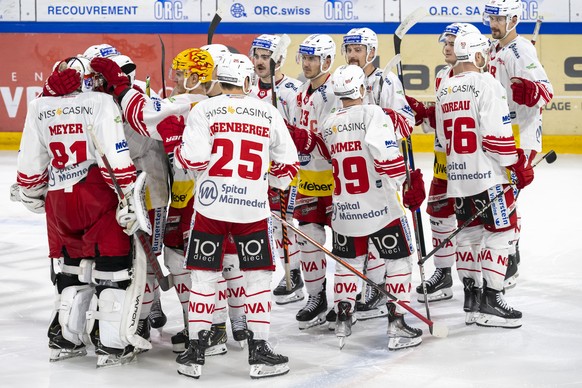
<point>194,60</point>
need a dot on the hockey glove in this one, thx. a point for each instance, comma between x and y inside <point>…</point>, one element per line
<point>418,108</point>
<point>303,139</point>
<point>523,170</point>
<point>15,192</point>
<point>132,215</point>
<point>171,129</point>
<point>413,191</point>
<point>117,80</point>
<point>34,204</point>
<point>60,83</point>
<point>401,125</point>
<point>525,92</point>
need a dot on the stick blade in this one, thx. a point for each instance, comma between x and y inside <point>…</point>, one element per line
<point>413,18</point>
<point>551,157</point>
<point>439,330</point>
<point>393,62</point>
<point>213,24</point>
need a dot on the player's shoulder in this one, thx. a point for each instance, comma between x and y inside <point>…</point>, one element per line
<point>290,83</point>
<point>521,47</point>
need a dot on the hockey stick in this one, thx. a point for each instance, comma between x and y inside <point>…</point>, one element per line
<point>550,157</point>
<point>213,24</point>
<point>436,329</point>
<point>283,43</point>
<point>163,67</point>
<point>148,86</point>
<point>391,63</point>
<point>142,237</point>
<point>536,31</point>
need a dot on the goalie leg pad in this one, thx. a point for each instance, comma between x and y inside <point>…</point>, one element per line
<point>75,302</point>
<point>141,210</point>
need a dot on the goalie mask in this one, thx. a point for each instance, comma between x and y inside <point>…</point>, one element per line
<point>467,46</point>
<point>234,70</point>
<point>193,61</point>
<point>270,43</point>
<point>349,81</point>
<point>362,36</point>
<point>458,29</point>
<point>318,45</point>
<point>83,67</point>
<point>507,8</point>
<point>126,65</point>
<point>103,50</point>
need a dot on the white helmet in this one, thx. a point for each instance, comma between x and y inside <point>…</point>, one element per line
<point>466,46</point>
<point>268,42</point>
<point>457,29</point>
<point>126,65</point>
<point>349,81</point>
<point>319,45</point>
<point>217,52</point>
<point>363,36</point>
<point>234,69</point>
<point>103,50</point>
<point>83,67</point>
<point>507,8</point>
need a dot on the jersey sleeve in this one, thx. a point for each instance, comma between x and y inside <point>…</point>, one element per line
<point>282,153</point>
<point>194,152</point>
<point>33,157</point>
<point>527,65</point>
<point>381,141</point>
<point>392,96</point>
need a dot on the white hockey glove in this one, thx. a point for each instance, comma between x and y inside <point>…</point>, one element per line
<point>34,204</point>
<point>15,193</point>
<point>133,214</point>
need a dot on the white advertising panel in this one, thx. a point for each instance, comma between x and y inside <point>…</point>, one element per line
<point>449,11</point>
<point>9,10</point>
<point>118,11</point>
<point>307,11</point>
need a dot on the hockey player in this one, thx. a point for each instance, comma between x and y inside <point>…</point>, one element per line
<point>441,210</point>
<point>230,141</point>
<point>314,102</point>
<point>60,171</point>
<point>514,63</point>
<point>367,167</point>
<point>286,88</point>
<point>360,47</point>
<point>474,126</point>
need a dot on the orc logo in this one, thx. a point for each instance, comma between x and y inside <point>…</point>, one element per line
<point>207,193</point>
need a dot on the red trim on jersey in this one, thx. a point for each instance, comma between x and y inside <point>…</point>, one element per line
<point>124,176</point>
<point>394,168</point>
<point>134,114</point>
<point>499,145</point>
<point>281,170</point>
<point>188,164</point>
<point>32,181</point>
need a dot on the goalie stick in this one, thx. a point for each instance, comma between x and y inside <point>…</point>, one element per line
<point>536,31</point>
<point>436,329</point>
<point>277,53</point>
<point>213,24</point>
<point>550,157</point>
<point>164,281</point>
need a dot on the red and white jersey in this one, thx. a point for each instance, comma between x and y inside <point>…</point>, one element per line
<point>310,110</point>
<point>388,92</point>
<point>519,59</point>
<point>56,150</point>
<point>231,140</point>
<point>367,167</point>
<point>474,126</point>
<point>286,90</point>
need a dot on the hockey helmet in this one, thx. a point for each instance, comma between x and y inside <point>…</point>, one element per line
<point>363,36</point>
<point>320,45</point>
<point>194,60</point>
<point>507,8</point>
<point>234,69</point>
<point>349,81</point>
<point>268,42</point>
<point>103,50</point>
<point>217,51</point>
<point>83,66</point>
<point>466,46</point>
<point>126,65</point>
<point>457,29</point>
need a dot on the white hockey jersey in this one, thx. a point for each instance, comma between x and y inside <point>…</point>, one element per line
<point>519,59</point>
<point>310,110</point>
<point>232,140</point>
<point>388,92</point>
<point>286,90</point>
<point>474,126</point>
<point>367,167</point>
<point>57,150</point>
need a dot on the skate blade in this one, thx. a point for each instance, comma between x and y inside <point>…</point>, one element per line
<point>341,341</point>
<point>109,360</point>
<point>193,370</point>
<point>317,321</point>
<point>379,312</point>
<point>65,354</point>
<point>488,320</point>
<point>260,371</point>
<point>444,294</point>
<point>216,350</point>
<point>397,343</point>
<point>471,317</point>
<point>290,298</point>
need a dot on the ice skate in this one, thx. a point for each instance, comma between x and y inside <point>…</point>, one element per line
<point>217,340</point>
<point>438,287</point>
<point>107,357</point>
<point>191,360</point>
<point>263,361</point>
<point>494,311</point>
<point>472,300</point>
<point>373,306</point>
<point>331,318</point>
<point>180,341</point>
<point>512,272</point>
<point>344,322</point>
<point>239,330</point>
<point>143,330</point>
<point>400,335</point>
<point>157,317</point>
<point>62,349</point>
<point>283,296</point>
<point>313,314</point>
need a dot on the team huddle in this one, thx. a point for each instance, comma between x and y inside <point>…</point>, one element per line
<point>125,175</point>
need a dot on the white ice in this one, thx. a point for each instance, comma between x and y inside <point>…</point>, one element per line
<point>545,352</point>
